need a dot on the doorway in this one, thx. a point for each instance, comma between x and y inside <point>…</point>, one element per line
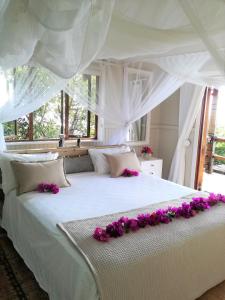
<point>210,170</point>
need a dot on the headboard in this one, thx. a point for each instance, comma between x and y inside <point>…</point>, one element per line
<point>63,151</point>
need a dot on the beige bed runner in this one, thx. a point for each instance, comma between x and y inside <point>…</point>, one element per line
<point>177,261</point>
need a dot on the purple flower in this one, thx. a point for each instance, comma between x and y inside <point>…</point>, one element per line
<point>165,216</point>
<point>129,173</point>
<point>199,204</point>
<point>143,220</point>
<point>100,235</point>
<point>133,224</point>
<point>115,229</point>
<point>222,198</point>
<point>172,212</point>
<point>47,187</point>
<point>153,219</point>
<point>123,220</point>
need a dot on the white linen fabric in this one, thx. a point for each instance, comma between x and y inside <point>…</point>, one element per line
<point>41,244</point>
<point>99,160</point>
<point>44,36</point>
<point>141,89</point>
<point>8,177</point>
<point>60,38</point>
<point>74,32</point>
<point>190,104</point>
<point>25,89</point>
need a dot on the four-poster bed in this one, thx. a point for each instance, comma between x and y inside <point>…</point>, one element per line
<point>142,55</point>
<point>63,270</point>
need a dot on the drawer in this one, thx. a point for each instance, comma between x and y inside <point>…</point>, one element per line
<point>155,172</point>
<point>151,172</point>
<point>151,164</point>
<point>152,167</point>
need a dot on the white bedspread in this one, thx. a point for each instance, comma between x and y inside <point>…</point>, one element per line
<point>31,219</point>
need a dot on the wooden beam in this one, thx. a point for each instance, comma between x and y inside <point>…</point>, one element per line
<point>62,112</point>
<point>220,140</point>
<point>89,113</point>
<point>219,157</point>
<point>67,111</point>
<point>97,100</point>
<point>30,127</point>
<point>202,142</point>
<point>63,151</point>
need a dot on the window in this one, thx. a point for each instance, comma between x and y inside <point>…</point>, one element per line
<point>61,114</point>
<point>138,84</point>
<point>138,130</point>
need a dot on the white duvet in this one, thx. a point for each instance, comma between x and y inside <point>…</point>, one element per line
<point>31,219</point>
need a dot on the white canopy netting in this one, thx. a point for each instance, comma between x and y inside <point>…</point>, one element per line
<point>156,46</point>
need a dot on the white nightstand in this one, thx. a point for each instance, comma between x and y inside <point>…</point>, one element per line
<point>151,166</point>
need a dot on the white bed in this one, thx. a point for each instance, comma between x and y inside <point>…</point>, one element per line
<point>31,219</point>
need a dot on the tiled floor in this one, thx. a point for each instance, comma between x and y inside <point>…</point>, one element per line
<point>214,182</point>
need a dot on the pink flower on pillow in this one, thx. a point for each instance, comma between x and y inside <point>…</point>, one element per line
<point>129,173</point>
<point>48,188</point>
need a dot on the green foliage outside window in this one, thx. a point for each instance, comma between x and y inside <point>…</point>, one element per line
<point>17,130</point>
<point>220,150</point>
<point>49,120</point>
<point>220,147</point>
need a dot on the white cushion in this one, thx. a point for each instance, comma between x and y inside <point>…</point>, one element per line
<point>100,162</point>
<point>8,178</point>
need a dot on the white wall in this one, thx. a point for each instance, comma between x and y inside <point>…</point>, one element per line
<point>164,130</point>
<point>164,136</point>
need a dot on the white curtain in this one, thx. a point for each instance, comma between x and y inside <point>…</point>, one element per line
<point>66,35</point>
<point>44,44</point>
<point>63,36</point>
<point>142,91</point>
<point>184,38</point>
<point>190,104</point>
<point>23,90</point>
<point>129,94</point>
<point>171,33</point>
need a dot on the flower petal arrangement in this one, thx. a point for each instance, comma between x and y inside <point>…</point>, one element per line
<point>129,173</point>
<point>146,150</point>
<point>47,188</point>
<point>186,210</point>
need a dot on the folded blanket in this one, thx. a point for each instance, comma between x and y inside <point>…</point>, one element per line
<point>177,261</point>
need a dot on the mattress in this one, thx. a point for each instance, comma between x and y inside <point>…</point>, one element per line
<point>31,219</point>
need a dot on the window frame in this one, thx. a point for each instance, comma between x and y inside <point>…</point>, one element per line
<point>64,116</point>
<point>130,71</point>
<point>147,136</point>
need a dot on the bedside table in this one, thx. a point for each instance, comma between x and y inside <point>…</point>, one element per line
<point>151,166</point>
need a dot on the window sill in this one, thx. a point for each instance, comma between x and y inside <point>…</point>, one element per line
<point>71,142</point>
<point>50,142</point>
<point>138,143</point>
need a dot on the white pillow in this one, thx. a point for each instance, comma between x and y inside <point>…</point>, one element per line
<point>99,160</point>
<point>8,178</point>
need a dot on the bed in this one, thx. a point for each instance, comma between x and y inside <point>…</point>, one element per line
<point>31,222</point>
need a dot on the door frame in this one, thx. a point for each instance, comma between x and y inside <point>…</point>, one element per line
<point>202,140</point>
